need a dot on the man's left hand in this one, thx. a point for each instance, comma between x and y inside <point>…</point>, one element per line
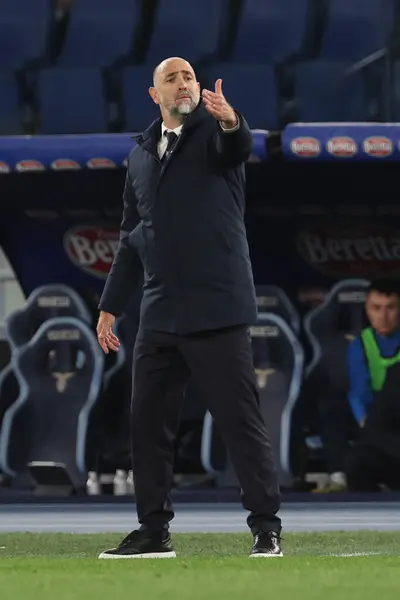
<point>217,105</point>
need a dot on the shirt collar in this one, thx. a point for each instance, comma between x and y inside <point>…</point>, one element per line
<point>177,130</point>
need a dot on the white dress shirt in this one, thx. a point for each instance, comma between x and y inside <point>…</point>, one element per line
<point>163,142</point>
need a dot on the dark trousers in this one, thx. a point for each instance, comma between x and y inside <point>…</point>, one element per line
<point>369,466</point>
<point>220,363</point>
<point>337,427</point>
<point>375,458</point>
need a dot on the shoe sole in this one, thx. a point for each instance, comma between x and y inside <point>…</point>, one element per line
<point>146,555</point>
<point>261,555</point>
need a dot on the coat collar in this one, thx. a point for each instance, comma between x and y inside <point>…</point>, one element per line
<point>153,132</point>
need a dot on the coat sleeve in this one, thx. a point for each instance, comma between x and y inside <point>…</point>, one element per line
<point>231,148</point>
<point>126,269</point>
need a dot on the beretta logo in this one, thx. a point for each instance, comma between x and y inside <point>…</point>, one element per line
<point>65,164</point>
<point>342,147</point>
<point>306,147</point>
<point>24,166</point>
<point>92,248</point>
<point>378,146</point>
<point>101,163</point>
<point>363,250</point>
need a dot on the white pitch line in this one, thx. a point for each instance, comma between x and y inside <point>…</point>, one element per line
<point>351,554</point>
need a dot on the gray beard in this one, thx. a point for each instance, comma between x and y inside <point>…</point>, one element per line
<point>182,111</point>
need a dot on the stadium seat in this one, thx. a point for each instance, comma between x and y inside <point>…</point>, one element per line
<point>45,302</point>
<point>329,328</point>
<point>139,109</point>
<point>71,101</point>
<point>24,32</point>
<point>50,419</point>
<point>270,31</point>
<point>251,89</point>
<point>10,110</point>
<point>100,32</point>
<point>395,98</point>
<point>357,28</point>
<point>190,29</point>
<point>323,92</point>
<point>279,360</point>
<point>273,299</point>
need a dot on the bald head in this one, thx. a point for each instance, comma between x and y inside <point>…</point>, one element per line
<point>171,63</point>
<point>175,89</point>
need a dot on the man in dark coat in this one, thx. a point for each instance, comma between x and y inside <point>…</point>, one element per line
<point>183,224</point>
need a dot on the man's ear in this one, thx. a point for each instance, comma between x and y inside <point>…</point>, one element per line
<point>153,94</point>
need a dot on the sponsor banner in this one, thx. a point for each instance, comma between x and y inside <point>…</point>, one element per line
<point>65,152</point>
<point>44,249</point>
<point>307,255</point>
<point>91,248</point>
<point>343,142</point>
<point>304,249</point>
<point>368,249</point>
<point>72,152</point>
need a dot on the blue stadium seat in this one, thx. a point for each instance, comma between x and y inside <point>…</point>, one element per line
<point>324,93</point>
<point>396,92</point>
<point>24,32</point>
<point>100,32</point>
<point>357,28</point>
<point>10,112</point>
<point>270,30</point>
<point>139,108</point>
<point>191,29</point>
<point>71,101</point>
<point>251,89</point>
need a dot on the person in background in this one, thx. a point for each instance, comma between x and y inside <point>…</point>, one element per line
<point>373,398</point>
<point>375,349</point>
<point>342,418</point>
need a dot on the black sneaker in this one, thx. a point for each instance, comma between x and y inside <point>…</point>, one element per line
<point>142,544</point>
<point>266,544</point>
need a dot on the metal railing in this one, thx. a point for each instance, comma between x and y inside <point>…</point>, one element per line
<point>384,54</point>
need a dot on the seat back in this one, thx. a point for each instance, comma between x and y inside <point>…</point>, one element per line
<point>100,32</point>
<point>330,327</point>
<point>270,31</point>
<point>237,78</point>
<point>72,100</point>
<point>139,110</point>
<point>278,360</point>
<point>325,91</point>
<point>10,109</point>
<point>273,299</point>
<point>45,302</point>
<point>25,28</point>
<point>59,373</point>
<point>363,27</point>
<point>181,26</point>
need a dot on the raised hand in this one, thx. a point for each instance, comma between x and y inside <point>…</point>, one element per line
<point>216,104</point>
